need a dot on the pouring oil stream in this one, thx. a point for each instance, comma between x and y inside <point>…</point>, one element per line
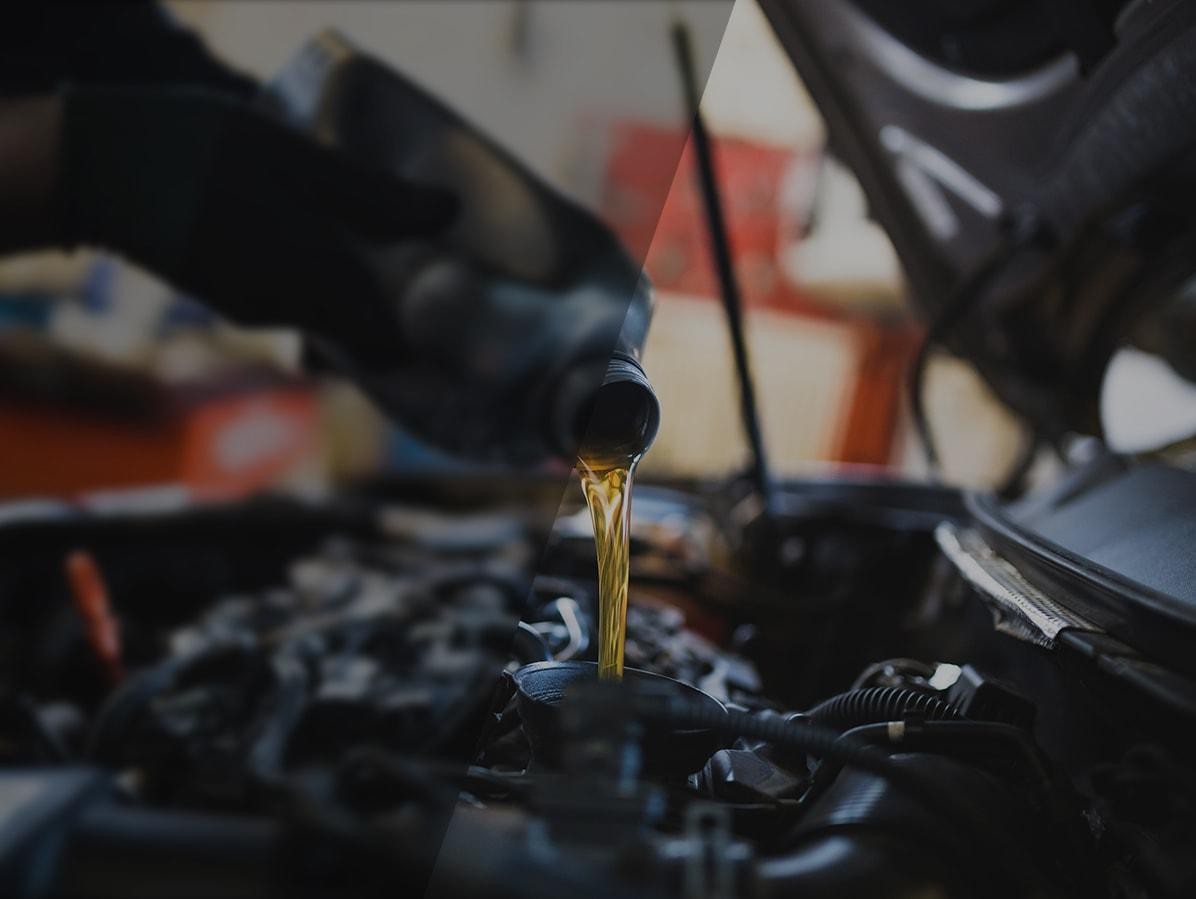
<point>621,427</point>
<point>608,495</point>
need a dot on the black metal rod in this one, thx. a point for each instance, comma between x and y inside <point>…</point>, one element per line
<point>720,249</point>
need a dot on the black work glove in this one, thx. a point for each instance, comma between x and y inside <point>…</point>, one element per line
<point>248,215</point>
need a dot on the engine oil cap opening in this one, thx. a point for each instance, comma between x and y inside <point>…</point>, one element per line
<point>543,689</point>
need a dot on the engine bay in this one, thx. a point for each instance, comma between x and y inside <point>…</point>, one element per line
<point>852,685</point>
<point>333,702</point>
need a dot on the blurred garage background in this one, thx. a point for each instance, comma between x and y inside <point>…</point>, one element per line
<point>117,389</point>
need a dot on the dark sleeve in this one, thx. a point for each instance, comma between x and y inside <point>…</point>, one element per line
<point>46,44</point>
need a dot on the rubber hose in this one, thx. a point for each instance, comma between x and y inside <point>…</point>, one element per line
<point>996,849</point>
<point>812,737</point>
<point>872,704</point>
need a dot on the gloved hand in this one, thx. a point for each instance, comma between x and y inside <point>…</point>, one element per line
<point>248,215</point>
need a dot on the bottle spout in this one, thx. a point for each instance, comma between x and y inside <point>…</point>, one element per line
<point>619,421</point>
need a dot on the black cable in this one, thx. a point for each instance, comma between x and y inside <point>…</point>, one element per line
<point>954,734</point>
<point>1025,232</point>
<point>868,704</point>
<point>991,844</point>
<point>720,249</point>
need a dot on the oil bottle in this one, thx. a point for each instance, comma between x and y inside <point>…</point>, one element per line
<point>509,317</point>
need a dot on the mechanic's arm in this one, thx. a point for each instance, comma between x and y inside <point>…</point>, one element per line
<point>119,130</point>
<point>218,198</point>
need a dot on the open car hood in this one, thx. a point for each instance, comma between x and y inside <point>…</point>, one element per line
<point>1035,173</point>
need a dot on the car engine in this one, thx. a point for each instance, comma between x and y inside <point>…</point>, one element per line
<point>316,699</point>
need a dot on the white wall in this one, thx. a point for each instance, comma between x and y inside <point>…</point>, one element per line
<point>530,74</point>
<point>753,91</point>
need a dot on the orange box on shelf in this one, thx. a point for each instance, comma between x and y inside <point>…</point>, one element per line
<point>221,442</point>
<point>751,175</point>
